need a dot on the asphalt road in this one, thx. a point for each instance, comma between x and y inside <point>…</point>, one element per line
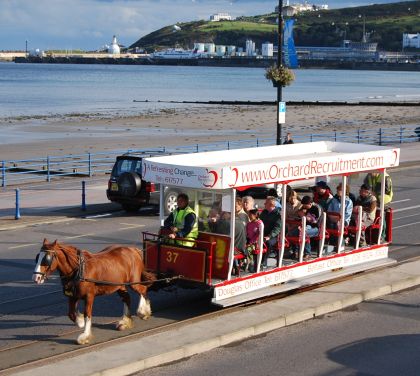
<point>31,313</point>
<point>374,338</point>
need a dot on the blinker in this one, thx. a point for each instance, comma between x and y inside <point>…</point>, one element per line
<point>46,260</point>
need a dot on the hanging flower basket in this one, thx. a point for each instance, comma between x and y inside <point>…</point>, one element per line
<point>281,76</point>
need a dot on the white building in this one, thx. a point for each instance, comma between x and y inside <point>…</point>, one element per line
<point>250,48</point>
<point>291,10</point>
<point>231,50</point>
<point>411,40</point>
<point>199,47</point>
<point>220,50</point>
<point>267,49</point>
<point>210,48</point>
<point>114,48</point>
<point>221,17</point>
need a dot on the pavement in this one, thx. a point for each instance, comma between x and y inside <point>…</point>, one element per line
<point>196,336</point>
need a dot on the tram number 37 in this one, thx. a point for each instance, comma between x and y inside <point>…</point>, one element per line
<point>171,257</point>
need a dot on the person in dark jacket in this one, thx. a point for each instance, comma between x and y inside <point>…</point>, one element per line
<point>271,217</point>
<point>288,139</point>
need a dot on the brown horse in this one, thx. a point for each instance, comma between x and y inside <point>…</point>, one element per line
<point>85,275</point>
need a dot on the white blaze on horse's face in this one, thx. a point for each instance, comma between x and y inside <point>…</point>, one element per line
<point>37,276</point>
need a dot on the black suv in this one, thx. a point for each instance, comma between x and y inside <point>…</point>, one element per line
<point>126,186</point>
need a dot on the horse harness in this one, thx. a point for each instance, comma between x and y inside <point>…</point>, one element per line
<point>70,281</point>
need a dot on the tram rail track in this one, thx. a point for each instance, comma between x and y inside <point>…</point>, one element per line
<point>63,345</point>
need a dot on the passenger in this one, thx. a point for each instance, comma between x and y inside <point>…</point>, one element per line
<point>335,207</point>
<point>240,212</point>
<point>292,205</point>
<point>273,192</point>
<point>223,227</point>
<point>212,219</point>
<point>182,222</point>
<point>252,236</point>
<point>248,203</point>
<point>313,216</point>
<point>294,231</point>
<point>373,180</point>
<point>368,203</point>
<point>322,194</point>
<point>271,217</point>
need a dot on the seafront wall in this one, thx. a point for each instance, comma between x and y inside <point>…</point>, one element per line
<point>220,62</point>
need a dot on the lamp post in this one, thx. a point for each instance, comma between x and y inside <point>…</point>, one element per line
<point>279,63</point>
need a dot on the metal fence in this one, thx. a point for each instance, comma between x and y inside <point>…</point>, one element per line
<point>16,172</point>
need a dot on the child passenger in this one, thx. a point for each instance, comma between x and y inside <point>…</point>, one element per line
<point>252,235</point>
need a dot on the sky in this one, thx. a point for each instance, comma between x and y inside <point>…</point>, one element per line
<point>90,24</point>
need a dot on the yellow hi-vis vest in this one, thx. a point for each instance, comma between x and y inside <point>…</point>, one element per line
<point>375,183</point>
<point>179,222</point>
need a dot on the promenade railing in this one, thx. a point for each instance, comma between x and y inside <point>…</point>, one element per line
<point>17,172</point>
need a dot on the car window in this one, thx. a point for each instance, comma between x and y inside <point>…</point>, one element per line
<point>127,165</point>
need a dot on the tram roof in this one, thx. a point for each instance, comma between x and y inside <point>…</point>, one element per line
<point>259,165</point>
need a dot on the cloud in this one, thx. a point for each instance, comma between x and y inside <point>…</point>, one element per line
<point>89,24</point>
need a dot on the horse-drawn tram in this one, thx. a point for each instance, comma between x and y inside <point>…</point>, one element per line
<point>299,255</point>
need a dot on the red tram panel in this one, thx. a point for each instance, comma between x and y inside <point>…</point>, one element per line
<point>176,261</point>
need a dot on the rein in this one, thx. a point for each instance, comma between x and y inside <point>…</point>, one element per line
<point>107,283</point>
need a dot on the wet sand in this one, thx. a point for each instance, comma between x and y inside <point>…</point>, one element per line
<point>27,138</point>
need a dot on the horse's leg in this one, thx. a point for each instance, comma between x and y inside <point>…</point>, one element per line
<point>144,310</point>
<point>126,322</point>
<point>74,313</point>
<point>86,336</point>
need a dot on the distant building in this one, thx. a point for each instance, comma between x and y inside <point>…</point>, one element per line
<point>220,50</point>
<point>291,10</point>
<point>114,48</point>
<point>221,17</point>
<point>250,48</point>
<point>411,40</point>
<point>267,49</point>
<point>231,50</point>
<point>199,47</point>
<point>210,48</point>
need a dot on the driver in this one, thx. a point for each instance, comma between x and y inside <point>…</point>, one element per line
<point>182,222</point>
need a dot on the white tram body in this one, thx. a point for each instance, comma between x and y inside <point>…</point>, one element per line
<point>224,173</point>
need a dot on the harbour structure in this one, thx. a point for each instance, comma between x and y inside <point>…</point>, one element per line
<point>267,49</point>
<point>114,48</point>
<point>411,40</point>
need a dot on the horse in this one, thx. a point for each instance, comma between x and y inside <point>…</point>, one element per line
<point>85,275</point>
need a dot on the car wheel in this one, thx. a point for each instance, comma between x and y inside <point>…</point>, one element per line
<point>129,184</point>
<point>170,201</point>
<point>131,208</point>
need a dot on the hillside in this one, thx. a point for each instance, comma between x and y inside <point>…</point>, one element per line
<point>386,23</point>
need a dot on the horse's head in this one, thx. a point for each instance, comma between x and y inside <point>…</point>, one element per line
<point>46,262</point>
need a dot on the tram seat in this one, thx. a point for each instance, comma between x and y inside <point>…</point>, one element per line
<point>372,231</point>
<point>354,229</point>
<point>238,256</point>
<point>291,241</point>
<point>334,217</point>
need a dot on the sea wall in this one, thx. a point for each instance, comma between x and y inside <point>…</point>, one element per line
<point>221,62</point>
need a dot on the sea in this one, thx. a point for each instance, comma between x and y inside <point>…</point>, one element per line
<point>36,90</point>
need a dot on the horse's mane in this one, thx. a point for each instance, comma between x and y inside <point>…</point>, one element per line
<point>71,253</point>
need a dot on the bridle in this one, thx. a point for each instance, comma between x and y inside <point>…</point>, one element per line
<point>47,260</point>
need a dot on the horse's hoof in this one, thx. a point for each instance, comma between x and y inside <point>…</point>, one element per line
<point>145,317</point>
<point>125,323</point>
<point>84,339</point>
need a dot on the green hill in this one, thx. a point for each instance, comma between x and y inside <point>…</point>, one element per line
<point>385,23</point>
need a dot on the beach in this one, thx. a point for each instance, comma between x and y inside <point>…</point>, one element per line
<point>31,137</point>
